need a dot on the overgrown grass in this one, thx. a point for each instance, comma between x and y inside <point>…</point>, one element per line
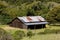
<point>44,37</point>
<point>48,33</point>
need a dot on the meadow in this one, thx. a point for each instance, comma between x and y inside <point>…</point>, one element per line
<point>48,33</point>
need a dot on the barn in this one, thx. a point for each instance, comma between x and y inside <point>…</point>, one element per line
<point>29,22</point>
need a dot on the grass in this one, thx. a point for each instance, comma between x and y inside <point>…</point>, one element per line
<point>11,29</point>
<point>36,36</point>
<point>44,37</point>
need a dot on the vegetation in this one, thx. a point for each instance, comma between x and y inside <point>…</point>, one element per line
<point>5,35</point>
<point>30,34</point>
<point>9,9</point>
<point>49,9</point>
<point>53,15</point>
<point>18,35</point>
<point>49,33</point>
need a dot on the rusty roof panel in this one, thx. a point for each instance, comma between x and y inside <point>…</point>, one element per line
<point>32,19</point>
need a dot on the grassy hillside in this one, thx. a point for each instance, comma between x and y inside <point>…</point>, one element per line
<point>49,33</point>
<point>8,28</point>
<point>44,37</point>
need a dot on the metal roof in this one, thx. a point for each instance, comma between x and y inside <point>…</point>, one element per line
<point>31,19</point>
<point>37,23</point>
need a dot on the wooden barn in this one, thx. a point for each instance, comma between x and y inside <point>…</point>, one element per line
<point>29,22</point>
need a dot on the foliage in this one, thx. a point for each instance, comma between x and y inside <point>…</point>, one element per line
<point>54,15</point>
<point>30,34</point>
<point>9,9</point>
<point>5,35</point>
<point>18,35</point>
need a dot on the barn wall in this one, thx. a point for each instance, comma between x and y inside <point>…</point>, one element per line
<point>24,26</point>
<point>17,23</point>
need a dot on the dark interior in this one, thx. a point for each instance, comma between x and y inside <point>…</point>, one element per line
<point>36,26</point>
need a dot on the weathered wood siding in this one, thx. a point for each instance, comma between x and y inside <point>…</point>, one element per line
<point>17,23</point>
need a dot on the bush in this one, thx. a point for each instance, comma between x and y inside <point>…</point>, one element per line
<point>30,34</point>
<point>18,35</point>
<point>5,35</point>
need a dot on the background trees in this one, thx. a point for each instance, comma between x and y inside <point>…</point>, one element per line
<point>9,9</point>
<point>53,16</point>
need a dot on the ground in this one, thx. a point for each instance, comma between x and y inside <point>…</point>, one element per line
<point>36,37</point>
<point>44,37</point>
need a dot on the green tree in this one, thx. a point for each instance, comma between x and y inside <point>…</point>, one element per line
<point>53,16</point>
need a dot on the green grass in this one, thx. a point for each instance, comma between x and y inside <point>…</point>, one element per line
<point>44,37</point>
<point>36,36</point>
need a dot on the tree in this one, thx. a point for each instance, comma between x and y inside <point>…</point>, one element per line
<point>53,16</point>
<point>30,12</point>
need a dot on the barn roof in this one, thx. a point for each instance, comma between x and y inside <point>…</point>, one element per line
<point>36,23</point>
<point>32,19</point>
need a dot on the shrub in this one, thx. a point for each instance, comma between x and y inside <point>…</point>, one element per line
<point>5,35</point>
<point>30,34</point>
<point>18,35</point>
